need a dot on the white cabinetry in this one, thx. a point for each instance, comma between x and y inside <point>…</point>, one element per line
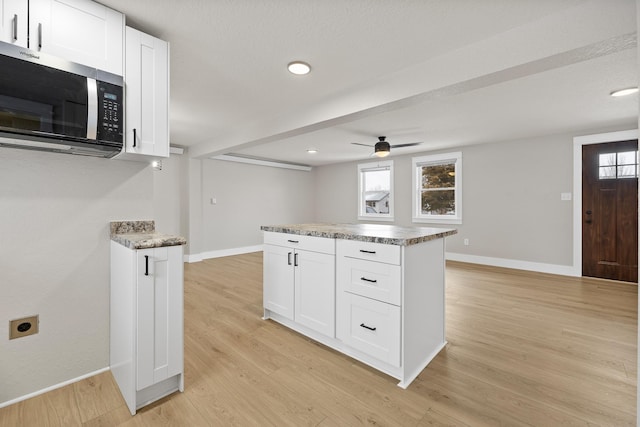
<point>147,95</point>
<point>146,352</point>
<point>79,31</point>
<point>299,280</point>
<point>388,303</point>
<point>13,21</point>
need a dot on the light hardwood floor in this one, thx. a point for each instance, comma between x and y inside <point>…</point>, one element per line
<point>524,349</point>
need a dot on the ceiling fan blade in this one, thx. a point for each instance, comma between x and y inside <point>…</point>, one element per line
<point>364,145</point>
<point>411,144</point>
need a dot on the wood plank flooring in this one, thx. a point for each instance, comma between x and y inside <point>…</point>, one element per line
<point>524,349</point>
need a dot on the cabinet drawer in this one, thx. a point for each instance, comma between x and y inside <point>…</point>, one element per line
<point>373,327</point>
<point>307,243</point>
<point>369,251</point>
<point>371,279</point>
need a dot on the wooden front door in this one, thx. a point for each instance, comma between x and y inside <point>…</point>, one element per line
<point>610,210</point>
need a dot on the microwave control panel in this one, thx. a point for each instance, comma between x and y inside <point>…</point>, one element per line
<point>110,112</point>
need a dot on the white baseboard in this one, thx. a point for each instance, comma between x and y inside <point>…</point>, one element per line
<point>222,253</point>
<point>53,387</point>
<point>562,270</point>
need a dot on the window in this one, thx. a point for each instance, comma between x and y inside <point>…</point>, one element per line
<point>618,165</point>
<point>437,182</point>
<point>375,188</point>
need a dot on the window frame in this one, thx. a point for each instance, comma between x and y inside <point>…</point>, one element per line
<point>436,159</point>
<point>362,213</point>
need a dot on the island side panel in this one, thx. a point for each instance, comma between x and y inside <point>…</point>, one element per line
<point>423,306</point>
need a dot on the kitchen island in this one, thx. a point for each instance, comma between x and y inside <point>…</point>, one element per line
<point>373,292</point>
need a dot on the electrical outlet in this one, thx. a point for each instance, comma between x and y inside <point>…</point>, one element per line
<point>19,328</point>
<point>466,242</point>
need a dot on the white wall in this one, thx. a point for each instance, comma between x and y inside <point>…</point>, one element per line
<point>54,260</point>
<point>169,196</point>
<point>511,199</point>
<point>249,196</point>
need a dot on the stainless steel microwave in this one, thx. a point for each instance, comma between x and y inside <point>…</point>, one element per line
<point>50,104</point>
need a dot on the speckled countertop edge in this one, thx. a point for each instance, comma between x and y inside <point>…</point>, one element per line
<point>141,235</point>
<point>375,233</point>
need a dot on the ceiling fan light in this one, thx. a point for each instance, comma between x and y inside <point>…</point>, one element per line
<point>382,149</point>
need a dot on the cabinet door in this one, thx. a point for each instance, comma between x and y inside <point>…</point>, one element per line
<point>278,289</point>
<point>13,22</point>
<point>315,291</point>
<point>147,94</point>
<point>80,31</point>
<point>159,335</point>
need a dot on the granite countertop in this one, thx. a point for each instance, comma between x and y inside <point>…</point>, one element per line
<point>142,235</point>
<point>376,233</point>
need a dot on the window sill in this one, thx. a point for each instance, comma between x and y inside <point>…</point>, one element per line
<point>375,218</point>
<point>437,220</point>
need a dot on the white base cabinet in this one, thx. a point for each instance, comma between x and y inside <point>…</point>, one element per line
<point>146,352</point>
<point>299,280</point>
<point>389,300</point>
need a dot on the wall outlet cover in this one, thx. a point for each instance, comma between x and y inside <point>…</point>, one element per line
<point>23,327</point>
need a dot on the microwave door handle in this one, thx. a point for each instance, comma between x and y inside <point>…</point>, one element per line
<point>92,109</point>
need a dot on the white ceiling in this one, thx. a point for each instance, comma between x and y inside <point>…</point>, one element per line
<point>445,72</point>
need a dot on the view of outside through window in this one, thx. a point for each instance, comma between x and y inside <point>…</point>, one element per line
<point>438,189</point>
<point>618,165</point>
<point>377,187</point>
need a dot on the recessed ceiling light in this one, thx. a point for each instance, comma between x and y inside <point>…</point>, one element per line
<point>312,151</point>
<point>299,67</point>
<point>624,92</point>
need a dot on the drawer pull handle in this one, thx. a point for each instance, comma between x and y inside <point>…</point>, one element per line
<point>367,327</point>
<point>367,252</point>
<point>293,241</point>
<point>369,280</point>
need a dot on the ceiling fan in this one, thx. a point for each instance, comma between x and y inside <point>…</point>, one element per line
<point>383,148</point>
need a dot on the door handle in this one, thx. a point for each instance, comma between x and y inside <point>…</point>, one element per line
<point>289,258</point>
<point>40,36</point>
<point>295,260</point>
<point>134,137</point>
<point>146,265</point>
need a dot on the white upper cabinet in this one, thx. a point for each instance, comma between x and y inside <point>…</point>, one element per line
<point>79,31</point>
<point>13,21</point>
<point>147,95</point>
